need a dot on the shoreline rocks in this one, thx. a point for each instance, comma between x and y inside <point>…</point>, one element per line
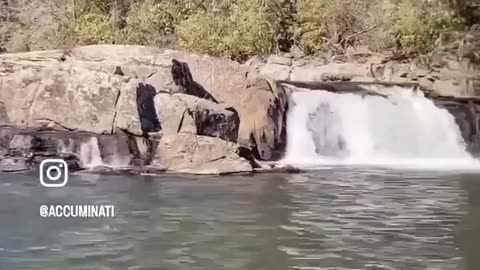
<point>24,149</point>
<point>162,110</point>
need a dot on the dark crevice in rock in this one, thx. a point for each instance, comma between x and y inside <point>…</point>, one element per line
<point>249,155</point>
<point>180,124</point>
<point>55,123</point>
<point>118,71</point>
<point>142,150</point>
<point>183,80</point>
<point>146,109</point>
<point>117,98</point>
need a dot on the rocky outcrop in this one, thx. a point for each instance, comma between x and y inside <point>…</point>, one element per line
<point>96,89</point>
<point>24,149</point>
<point>443,73</point>
<point>152,99</point>
<point>200,154</point>
<point>132,99</point>
<point>182,113</point>
<point>467,116</point>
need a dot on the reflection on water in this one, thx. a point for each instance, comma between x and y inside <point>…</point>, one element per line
<point>328,219</point>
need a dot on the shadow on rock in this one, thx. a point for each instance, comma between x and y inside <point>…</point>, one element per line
<point>146,109</point>
<point>183,79</point>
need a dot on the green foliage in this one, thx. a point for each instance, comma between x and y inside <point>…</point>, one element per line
<point>234,28</point>
<point>325,24</point>
<point>417,25</point>
<point>154,23</point>
<point>94,28</point>
<point>237,29</point>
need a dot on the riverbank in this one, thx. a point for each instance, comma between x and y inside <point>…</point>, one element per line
<point>169,110</point>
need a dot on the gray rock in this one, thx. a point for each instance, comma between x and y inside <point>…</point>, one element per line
<point>315,74</point>
<point>189,114</point>
<point>180,113</point>
<point>280,60</point>
<point>13,165</point>
<point>73,97</point>
<point>332,77</point>
<point>200,155</point>
<point>23,142</point>
<point>276,71</point>
<point>114,150</point>
<point>84,94</point>
<point>4,120</point>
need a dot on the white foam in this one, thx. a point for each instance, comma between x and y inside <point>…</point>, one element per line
<point>90,155</point>
<point>406,131</point>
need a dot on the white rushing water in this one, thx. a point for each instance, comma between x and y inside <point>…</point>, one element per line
<point>405,130</point>
<point>90,155</point>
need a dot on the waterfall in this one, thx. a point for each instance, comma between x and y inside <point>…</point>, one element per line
<point>90,155</point>
<point>406,129</point>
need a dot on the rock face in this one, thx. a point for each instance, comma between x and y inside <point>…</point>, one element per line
<point>70,97</point>
<point>148,103</point>
<point>23,149</point>
<point>200,154</point>
<point>180,113</point>
<point>106,89</point>
<point>467,115</point>
<point>123,95</point>
<point>443,73</point>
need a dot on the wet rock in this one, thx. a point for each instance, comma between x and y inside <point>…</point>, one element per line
<point>114,150</point>
<point>277,168</point>
<point>467,116</point>
<point>13,164</point>
<point>141,150</point>
<point>73,161</point>
<point>23,143</point>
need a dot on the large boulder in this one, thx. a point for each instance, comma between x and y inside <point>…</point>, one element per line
<point>186,113</point>
<point>200,154</point>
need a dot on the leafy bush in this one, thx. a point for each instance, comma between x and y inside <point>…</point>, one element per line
<point>237,29</point>
<point>94,28</point>
<point>326,24</point>
<point>418,24</point>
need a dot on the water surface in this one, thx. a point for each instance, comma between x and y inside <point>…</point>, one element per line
<point>327,219</point>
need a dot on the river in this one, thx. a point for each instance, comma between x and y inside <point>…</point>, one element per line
<point>331,218</point>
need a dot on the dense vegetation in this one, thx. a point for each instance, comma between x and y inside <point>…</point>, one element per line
<point>236,28</point>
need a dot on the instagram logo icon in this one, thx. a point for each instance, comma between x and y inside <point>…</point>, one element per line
<point>53,173</point>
